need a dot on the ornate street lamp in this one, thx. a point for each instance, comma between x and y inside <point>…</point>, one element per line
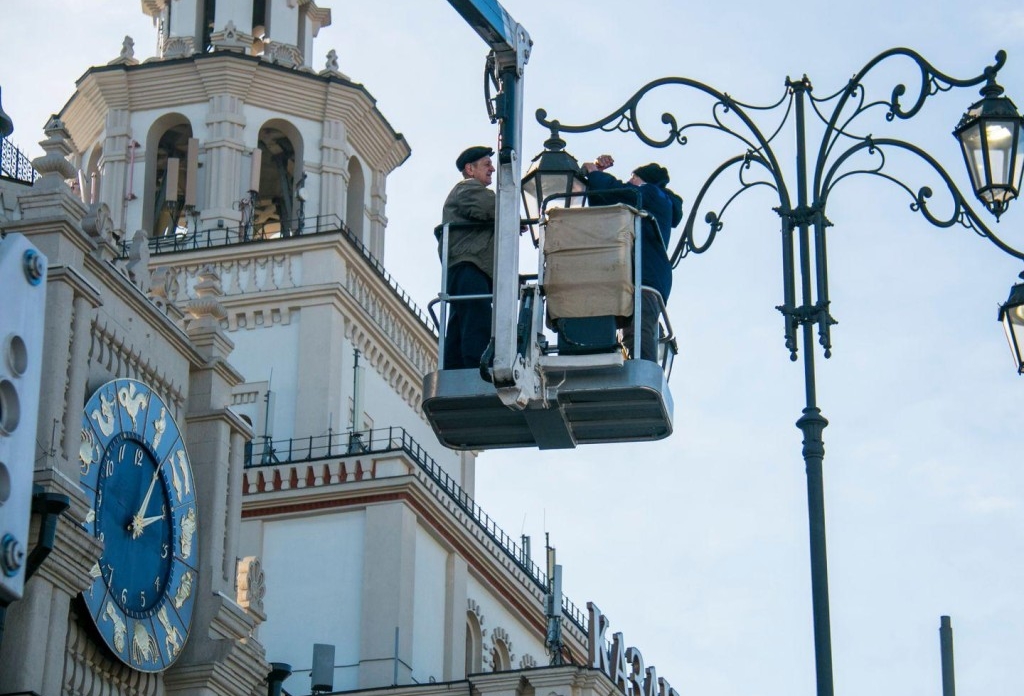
<point>1011,314</point>
<point>989,134</point>
<point>554,172</point>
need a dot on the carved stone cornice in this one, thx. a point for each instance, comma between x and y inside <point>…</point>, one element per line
<point>201,76</point>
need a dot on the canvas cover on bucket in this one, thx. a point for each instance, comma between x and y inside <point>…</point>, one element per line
<point>588,261</point>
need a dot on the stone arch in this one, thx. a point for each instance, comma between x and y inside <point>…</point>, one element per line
<point>474,638</point>
<point>355,210</point>
<point>92,175</point>
<point>279,208</point>
<point>163,200</point>
<point>501,651</point>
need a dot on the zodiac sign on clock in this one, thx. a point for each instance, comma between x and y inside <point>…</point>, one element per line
<point>188,530</point>
<point>89,451</point>
<point>184,590</point>
<point>104,417</point>
<point>120,630</point>
<point>144,646</point>
<point>172,639</point>
<point>132,401</point>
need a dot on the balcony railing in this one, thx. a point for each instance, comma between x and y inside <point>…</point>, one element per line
<point>241,234</point>
<point>15,165</point>
<point>382,440</point>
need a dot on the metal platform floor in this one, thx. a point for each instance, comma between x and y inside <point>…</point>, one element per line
<point>629,402</point>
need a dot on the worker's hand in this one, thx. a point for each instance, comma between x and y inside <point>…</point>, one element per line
<point>603,162</point>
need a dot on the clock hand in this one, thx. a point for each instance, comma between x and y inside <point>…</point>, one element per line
<point>143,523</point>
<point>135,526</point>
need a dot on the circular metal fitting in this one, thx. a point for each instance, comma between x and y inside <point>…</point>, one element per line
<point>12,555</point>
<point>34,266</point>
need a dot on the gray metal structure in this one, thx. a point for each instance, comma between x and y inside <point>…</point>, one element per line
<point>528,395</point>
<point>23,287</point>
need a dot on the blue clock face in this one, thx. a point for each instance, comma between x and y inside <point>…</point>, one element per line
<point>136,473</point>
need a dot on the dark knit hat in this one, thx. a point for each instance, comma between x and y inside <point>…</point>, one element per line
<point>653,173</point>
<point>472,154</point>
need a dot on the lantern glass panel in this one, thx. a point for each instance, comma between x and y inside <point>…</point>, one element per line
<point>974,156</point>
<point>1015,337</point>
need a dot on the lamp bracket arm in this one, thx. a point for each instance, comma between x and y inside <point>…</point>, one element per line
<point>931,81</point>
<point>688,242</point>
<point>962,214</point>
<point>625,118</point>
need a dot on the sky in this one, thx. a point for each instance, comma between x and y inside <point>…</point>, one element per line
<point>696,547</point>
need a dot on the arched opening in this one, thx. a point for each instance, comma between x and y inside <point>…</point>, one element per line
<point>474,644</point>
<point>278,204</point>
<point>92,176</point>
<point>205,20</point>
<point>248,443</point>
<point>501,661</point>
<point>260,26</point>
<point>166,176</point>
<point>355,204</point>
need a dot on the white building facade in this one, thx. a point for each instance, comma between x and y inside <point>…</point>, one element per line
<point>214,218</point>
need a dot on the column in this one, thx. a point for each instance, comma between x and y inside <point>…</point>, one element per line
<point>334,154</point>
<point>225,151</point>
<point>389,564</point>
<point>113,167</point>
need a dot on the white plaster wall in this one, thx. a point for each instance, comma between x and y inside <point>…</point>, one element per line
<point>267,353</point>
<point>523,641</point>
<point>387,408</point>
<point>313,568</point>
<point>429,608</point>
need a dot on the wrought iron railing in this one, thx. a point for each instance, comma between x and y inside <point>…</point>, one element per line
<point>269,452</point>
<point>319,224</point>
<point>243,233</point>
<point>15,165</point>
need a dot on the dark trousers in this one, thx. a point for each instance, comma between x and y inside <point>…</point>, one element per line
<point>650,310</point>
<point>469,321</point>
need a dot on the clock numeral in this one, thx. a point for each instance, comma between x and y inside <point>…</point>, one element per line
<point>124,597</point>
<point>110,571</point>
<point>109,468</point>
<point>142,598</point>
<point>163,554</point>
<point>156,582</point>
<point>102,537</point>
<point>139,454</point>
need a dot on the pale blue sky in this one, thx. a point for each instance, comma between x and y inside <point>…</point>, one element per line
<point>696,547</point>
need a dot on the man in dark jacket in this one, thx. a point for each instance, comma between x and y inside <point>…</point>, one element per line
<point>666,209</point>
<point>470,207</point>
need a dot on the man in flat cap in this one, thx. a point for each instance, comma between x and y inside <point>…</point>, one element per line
<point>470,208</point>
<point>650,181</point>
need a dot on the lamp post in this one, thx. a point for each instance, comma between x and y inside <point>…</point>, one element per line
<point>990,137</point>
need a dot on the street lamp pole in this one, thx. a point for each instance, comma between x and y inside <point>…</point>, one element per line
<point>990,124</point>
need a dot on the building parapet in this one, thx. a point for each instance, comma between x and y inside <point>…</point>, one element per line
<point>274,465</point>
<point>239,235</point>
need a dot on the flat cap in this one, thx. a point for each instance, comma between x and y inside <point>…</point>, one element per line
<point>472,154</point>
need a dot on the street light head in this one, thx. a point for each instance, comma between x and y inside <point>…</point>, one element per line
<point>990,137</point>
<point>1011,314</point>
<point>553,172</point>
